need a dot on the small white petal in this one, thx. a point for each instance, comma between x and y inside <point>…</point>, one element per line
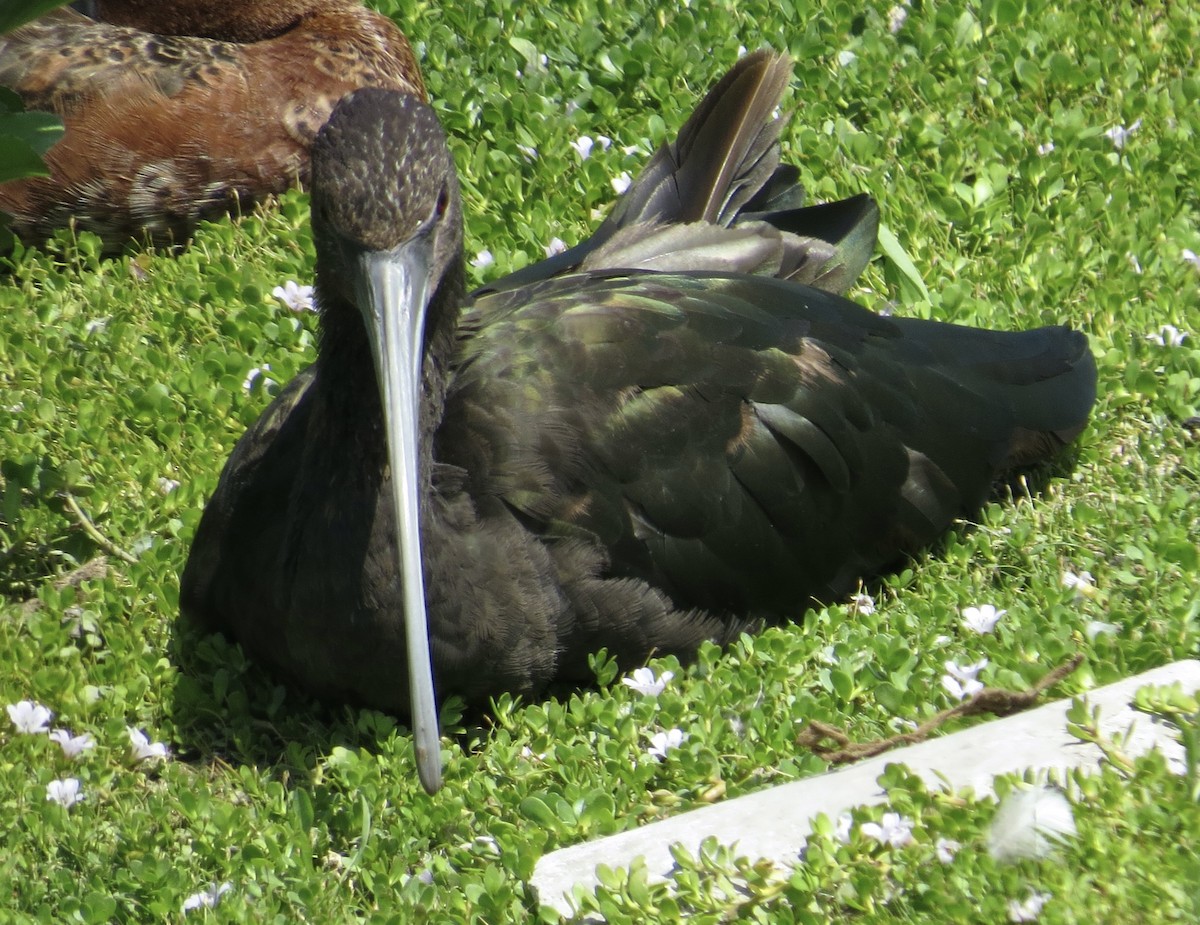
<point>65,792</point>
<point>966,672</point>
<point>845,823</point>
<point>1119,134</point>
<point>894,830</point>
<point>207,899</point>
<point>1096,628</point>
<point>294,296</point>
<point>29,716</point>
<point>583,147</point>
<point>1029,822</point>
<point>663,742</point>
<point>1028,909</point>
<point>644,681</point>
<point>896,18</point>
<point>1168,336</point>
<point>864,603</point>
<point>166,485</point>
<point>72,746</point>
<point>1044,149</point>
<point>982,619</point>
<point>530,153</point>
<point>1081,582</point>
<point>483,259</point>
<point>254,374</point>
<point>961,689</point>
<point>143,749</point>
<point>846,57</point>
<point>621,183</point>
<point>604,141</point>
<point>556,246</point>
<point>1191,257</point>
<point>946,849</point>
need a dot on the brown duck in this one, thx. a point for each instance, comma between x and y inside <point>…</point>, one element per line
<point>186,110</point>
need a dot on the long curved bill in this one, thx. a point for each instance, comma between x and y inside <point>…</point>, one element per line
<point>396,295</point>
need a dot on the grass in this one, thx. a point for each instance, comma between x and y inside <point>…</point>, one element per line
<point>116,375</point>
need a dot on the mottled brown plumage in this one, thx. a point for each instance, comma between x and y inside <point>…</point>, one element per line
<point>179,111</point>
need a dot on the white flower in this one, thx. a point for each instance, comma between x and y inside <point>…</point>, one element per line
<point>644,681</point>
<point>1029,822</point>
<point>64,792</point>
<point>604,141</point>
<point>530,153</point>
<point>961,690</point>
<point>1096,628</point>
<point>583,146</point>
<point>207,899</point>
<point>556,246</point>
<point>663,742</point>
<point>966,672</point>
<point>946,849</point>
<point>248,382</point>
<point>297,298</point>
<point>1081,583</point>
<point>1119,134</point>
<point>961,680</point>
<point>1044,149</point>
<point>982,619</point>
<point>846,57</point>
<point>1134,262</point>
<point>895,830</point>
<point>72,746</point>
<point>95,324</point>
<point>166,485</point>
<point>29,716</point>
<point>1028,909</point>
<point>896,17</point>
<point>1168,336</point>
<point>483,259</point>
<point>1191,257</point>
<point>143,749</point>
<point>845,822</point>
<point>864,603</point>
<point>630,150</point>
<point>621,183</point>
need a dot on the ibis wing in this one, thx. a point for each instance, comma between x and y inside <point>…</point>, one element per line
<point>745,444</point>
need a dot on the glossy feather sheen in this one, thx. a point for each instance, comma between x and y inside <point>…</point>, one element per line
<point>164,129</point>
<point>717,198</point>
<point>613,457</point>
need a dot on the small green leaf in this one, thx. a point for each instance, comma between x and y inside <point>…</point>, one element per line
<point>896,253</point>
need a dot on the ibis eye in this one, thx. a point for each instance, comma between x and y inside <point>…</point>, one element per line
<point>443,202</point>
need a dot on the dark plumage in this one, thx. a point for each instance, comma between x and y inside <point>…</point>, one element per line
<point>610,457</point>
<point>179,110</point>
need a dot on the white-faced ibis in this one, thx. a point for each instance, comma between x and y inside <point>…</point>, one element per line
<point>179,110</point>
<point>611,457</point>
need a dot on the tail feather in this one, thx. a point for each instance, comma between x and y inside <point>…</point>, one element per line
<point>1047,377</point>
<point>722,175</point>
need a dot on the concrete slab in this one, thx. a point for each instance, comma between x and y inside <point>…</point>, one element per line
<point>775,823</point>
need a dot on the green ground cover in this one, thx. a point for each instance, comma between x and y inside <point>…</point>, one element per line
<point>988,132</point>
